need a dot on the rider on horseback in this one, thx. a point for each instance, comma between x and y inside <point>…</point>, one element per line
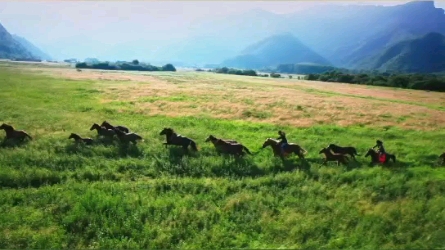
<point>380,148</point>
<point>283,142</point>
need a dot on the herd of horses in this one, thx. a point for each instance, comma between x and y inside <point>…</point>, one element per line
<point>332,153</point>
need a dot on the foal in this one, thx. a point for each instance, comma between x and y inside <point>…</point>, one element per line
<point>78,139</point>
<point>329,156</point>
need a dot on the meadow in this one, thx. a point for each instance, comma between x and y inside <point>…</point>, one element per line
<point>54,194</point>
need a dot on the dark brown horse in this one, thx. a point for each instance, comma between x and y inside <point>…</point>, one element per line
<point>228,147</point>
<point>78,139</point>
<point>11,133</point>
<point>109,126</point>
<point>173,138</point>
<point>290,148</point>
<point>102,131</point>
<point>330,156</point>
<point>343,150</point>
<point>127,137</point>
<point>375,157</point>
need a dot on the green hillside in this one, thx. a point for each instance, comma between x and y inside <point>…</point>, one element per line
<point>425,54</point>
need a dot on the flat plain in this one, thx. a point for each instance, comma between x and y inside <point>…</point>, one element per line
<point>55,194</point>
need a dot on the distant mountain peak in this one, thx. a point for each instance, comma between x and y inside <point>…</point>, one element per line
<point>281,48</point>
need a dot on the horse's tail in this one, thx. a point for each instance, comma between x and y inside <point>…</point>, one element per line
<point>193,144</point>
<point>246,149</point>
<point>26,134</point>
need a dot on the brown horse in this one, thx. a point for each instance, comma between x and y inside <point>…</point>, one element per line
<point>109,126</point>
<point>11,133</point>
<point>343,150</point>
<point>127,137</point>
<point>330,156</point>
<point>173,138</point>
<point>228,147</point>
<point>375,159</point>
<point>102,131</point>
<point>442,159</point>
<point>291,148</point>
<point>78,139</point>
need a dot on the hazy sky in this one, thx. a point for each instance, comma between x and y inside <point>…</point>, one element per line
<point>50,23</point>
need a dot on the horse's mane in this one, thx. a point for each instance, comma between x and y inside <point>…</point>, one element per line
<point>170,130</point>
<point>74,135</point>
<point>271,139</point>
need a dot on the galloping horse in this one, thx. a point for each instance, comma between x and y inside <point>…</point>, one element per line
<point>375,159</point>
<point>127,137</point>
<point>228,147</point>
<point>109,126</point>
<point>173,138</point>
<point>78,139</point>
<point>343,150</point>
<point>291,148</point>
<point>103,131</point>
<point>330,156</point>
<point>11,133</point>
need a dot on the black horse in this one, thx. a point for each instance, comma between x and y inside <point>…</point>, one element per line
<point>173,138</point>
<point>109,126</point>
<point>375,157</point>
<point>343,150</point>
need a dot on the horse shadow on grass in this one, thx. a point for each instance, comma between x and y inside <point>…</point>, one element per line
<point>129,150</point>
<point>176,153</point>
<point>398,166</point>
<point>351,164</point>
<point>291,164</point>
<point>12,143</point>
<point>237,167</point>
<point>432,160</point>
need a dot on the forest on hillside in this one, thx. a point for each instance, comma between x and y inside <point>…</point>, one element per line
<point>430,82</point>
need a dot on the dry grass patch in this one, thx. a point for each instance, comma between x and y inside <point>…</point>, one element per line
<point>279,101</point>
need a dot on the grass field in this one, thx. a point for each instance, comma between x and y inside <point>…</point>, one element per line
<point>57,195</point>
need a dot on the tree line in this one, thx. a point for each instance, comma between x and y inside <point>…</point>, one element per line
<point>128,66</point>
<point>244,72</point>
<point>430,82</point>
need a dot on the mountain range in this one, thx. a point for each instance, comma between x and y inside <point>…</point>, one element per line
<point>346,36</point>
<point>16,47</point>
<point>407,37</point>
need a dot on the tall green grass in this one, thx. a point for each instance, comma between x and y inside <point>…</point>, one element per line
<point>57,195</point>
